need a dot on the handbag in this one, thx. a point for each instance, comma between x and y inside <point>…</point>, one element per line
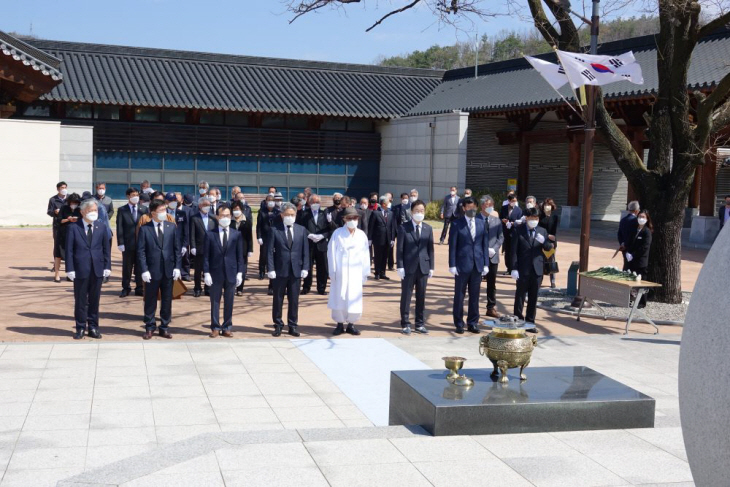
<point>550,267</point>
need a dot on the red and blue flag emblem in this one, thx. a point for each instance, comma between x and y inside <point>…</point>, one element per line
<point>600,68</point>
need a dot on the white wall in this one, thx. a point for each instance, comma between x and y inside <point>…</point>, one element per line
<point>406,145</point>
<point>77,158</point>
<point>29,158</point>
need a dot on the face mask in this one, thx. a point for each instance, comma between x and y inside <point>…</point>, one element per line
<point>242,201</point>
<point>289,220</point>
<point>488,209</point>
<point>202,191</point>
<point>205,209</point>
<point>316,206</point>
<point>512,204</point>
<point>134,200</point>
<point>364,206</point>
<point>471,213</point>
<point>212,198</point>
<point>278,204</point>
<point>389,205</point>
<point>373,201</point>
<point>418,217</point>
<point>351,224</point>
<point>172,205</point>
<point>467,195</point>
<point>146,204</point>
<point>237,213</point>
<point>642,221</point>
<point>413,199</point>
<point>73,207</point>
<point>404,201</point>
<point>92,216</point>
<point>270,204</point>
<point>529,205</point>
<point>224,222</point>
<point>149,190</point>
<point>453,193</point>
<point>548,208</point>
<point>64,192</point>
<point>532,223</point>
<point>100,192</point>
<point>161,215</point>
<point>271,194</point>
<point>336,202</point>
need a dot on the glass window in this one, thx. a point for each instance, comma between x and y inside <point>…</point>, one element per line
<point>332,167</point>
<point>250,189</point>
<point>303,166</point>
<point>243,164</point>
<point>360,125</point>
<point>295,191</point>
<point>211,118</point>
<point>273,121</point>
<point>179,162</point>
<point>78,110</point>
<point>212,163</point>
<point>181,188</point>
<point>117,191</point>
<point>112,160</point>
<point>294,122</point>
<point>106,112</point>
<point>352,167</point>
<point>331,191</point>
<point>37,111</point>
<point>147,114</point>
<point>334,124</point>
<point>273,165</point>
<point>173,116</point>
<point>146,160</point>
<point>238,119</point>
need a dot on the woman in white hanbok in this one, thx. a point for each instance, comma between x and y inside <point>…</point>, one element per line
<point>348,257</point>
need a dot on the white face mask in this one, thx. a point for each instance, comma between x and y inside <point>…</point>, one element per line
<point>172,205</point>
<point>224,222</point>
<point>277,203</point>
<point>488,209</point>
<point>146,204</point>
<point>529,205</point>
<point>64,192</point>
<point>548,208</point>
<point>389,204</point>
<point>364,206</point>
<point>243,201</point>
<point>92,216</point>
<point>149,190</point>
<point>237,213</point>
<point>512,204</point>
<point>316,206</point>
<point>212,198</point>
<point>418,217</point>
<point>270,204</point>
<point>413,199</point>
<point>161,215</point>
<point>532,223</point>
<point>289,220</point>
<point>202,191</point>
<point>453,193</point>
<point>351,224</point>
<point>134,200</point>
<point>101,192</point>
<point>205,209</point>
<point>642,221</point>
<point>404,201</point>
<point>271,194</point>
<point>73,207</point>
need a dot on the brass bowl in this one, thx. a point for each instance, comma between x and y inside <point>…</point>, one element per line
<point>454,365</point>
<point>464,381</point>
<point>507,350</point>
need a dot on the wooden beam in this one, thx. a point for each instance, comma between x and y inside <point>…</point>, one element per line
<point>523,169</point>
<point>574,156</point>
<point>708,183</point>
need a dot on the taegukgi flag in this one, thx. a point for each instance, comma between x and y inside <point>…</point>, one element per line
<point>553,73</point>
<point>587,69</point>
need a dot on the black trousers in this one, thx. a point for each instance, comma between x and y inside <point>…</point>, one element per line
<point>492,286</point>
<point>462,283</point>
<point>150,303</point>
<point>448,220</point>
<point>507,250</point>
<point>317,258</point>
<point>288,286</point>
<point>263,257</point>
<point>86,302</point>
<point>227,290</point>
<point>527,284</point>
<point>129,262</point>
<point>381,258</point>
<point>406,292</point>
<point>198,265</point>
<point>390,257</point>
<point>185,271</point>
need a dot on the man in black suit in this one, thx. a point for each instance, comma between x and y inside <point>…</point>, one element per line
<point>127,218</point>
<point>511,215</point>
<point>402,211</point>
<point>88,262</point>
<point>382,235</point>
<point>495,237</point>
<point>627,229</point>
<point>182,221</point>
<point>450,211</point>
<point>724,212</point>
<point>288,264</point>
<point>415,261</point>
<point>187,208</point>
<point>272,192</point>
<point>315,221</point>
<point>223,265</point>
<point>528,261</point>
<point>158,253</point>
<point>200,224</point>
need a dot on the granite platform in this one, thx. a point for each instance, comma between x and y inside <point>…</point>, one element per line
<point>551,399</point>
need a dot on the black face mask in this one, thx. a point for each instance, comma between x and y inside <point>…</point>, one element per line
<point>373,201</point>
<point>336,202</point>
<point>471,213</point>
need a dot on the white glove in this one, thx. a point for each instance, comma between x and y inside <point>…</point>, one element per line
<point>515,275</point>
<point>121,248</point>
<point>260,241</point>
<point>250,255</point>
<point>539,238</point>
<point>305,274</point>
<point>485,271</point>
<point>401,273</point>
<point>239,279</point>
<point>430,274</point>
<point>176,276</point>
<point>392,243</point>
<point>629,257</point>
<point>491,252</point>
<point>207,279</point>
<point>146,276</point>
<point>107,272</point>
<point>453,271</point>
<point>193,252</point>
<point>71,275</point>
<point>184,251</point>
<point>271,274</point>
<point>521,220</point>
<point>329,217</point>
<point>508,225</point>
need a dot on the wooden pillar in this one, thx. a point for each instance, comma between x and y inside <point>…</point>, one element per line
<point>694,192</point>
<point>523,169</point>
<point>707,183</point>
<point>574,172</point>
<point>638,145</point>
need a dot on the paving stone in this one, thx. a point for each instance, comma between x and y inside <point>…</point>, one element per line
<point>272,455</point>
<point>354,452</point>
<point>281,476</point>
<point>400,474</point>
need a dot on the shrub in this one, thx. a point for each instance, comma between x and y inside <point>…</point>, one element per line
<point>433,210</point>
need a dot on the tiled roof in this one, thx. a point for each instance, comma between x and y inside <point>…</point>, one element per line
<point>513,85</point>
<point>120,75</point>
<point>23,52</point>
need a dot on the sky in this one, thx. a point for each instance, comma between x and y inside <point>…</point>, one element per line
<point>248,27</point>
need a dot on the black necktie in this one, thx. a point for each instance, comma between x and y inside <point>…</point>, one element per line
<point>134,213</point>
<point>88,234</point>
<point>418,234</point>
<point>289,236</point>
<point>159,233</point>
<point>225,238</point>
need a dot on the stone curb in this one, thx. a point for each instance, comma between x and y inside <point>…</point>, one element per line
<point>614,318</point>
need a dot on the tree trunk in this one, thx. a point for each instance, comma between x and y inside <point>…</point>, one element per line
<point>665,258</point>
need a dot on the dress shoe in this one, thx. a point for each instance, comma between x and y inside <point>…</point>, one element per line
<point>390,268</point>
<point>138,292</point>
<point>227,334</point>
<point>79,335</point>
<point>187,279</point>
<point>277,331</point>
<point>165,334</point>
<point>383,276</point>
<point>147,335</point>
<point>261,276</point>
<point>304,291</point>
<point>196,293</point>
<point>377,277</point>
<point>239,293</point>
<point>94,333</point>
<point>322,292</point>
<point>473,329</point>
<point>105,280</point>
<point>57,280</point>
<point>352,330</point>
<point>69,279</point>
<point>125,293</point>
<point>214,334</point>
<point>460,330</point>
<point>406,330</point>
<point>339,329</point>
<point>492,313</point>
<point>441,242</point>
<point>270,292</point>
<point>293,331</point>
<point>422,329</point>
<point>531,330</point>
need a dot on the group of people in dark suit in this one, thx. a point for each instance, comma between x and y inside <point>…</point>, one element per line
<point>634,239</point>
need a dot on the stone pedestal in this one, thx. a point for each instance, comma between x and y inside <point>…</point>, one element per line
<point>689,214</point>
<point>570,217</point>
<point>704,229</point>
<point>551,399</point>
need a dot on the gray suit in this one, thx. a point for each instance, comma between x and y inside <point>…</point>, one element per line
<point>496,239</point>
<point>451,211</point>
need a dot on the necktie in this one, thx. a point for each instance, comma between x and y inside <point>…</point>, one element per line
<point>225,238</point>
<point>88,234</point>
<point>159,233</point>
<point>472,230</point>
<point>289,236</point>
<point>134,213</point>
<point>418,234</point>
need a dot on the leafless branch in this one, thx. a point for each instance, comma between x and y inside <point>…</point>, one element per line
<point>393,12</point>
<point>714,24</point>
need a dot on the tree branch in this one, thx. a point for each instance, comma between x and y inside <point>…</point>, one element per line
<point>569,39</point>
<point>713,25</point>
<point>396,11</point>
<point>300,8</point>
<point>542,23</point>
<point>708,120</point>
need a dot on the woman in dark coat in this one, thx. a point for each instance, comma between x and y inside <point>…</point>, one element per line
<point>264,222</point>
<point>638,248</point>
<point>69,214</point>
<point>242,222</point>
<point>549,221</point>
